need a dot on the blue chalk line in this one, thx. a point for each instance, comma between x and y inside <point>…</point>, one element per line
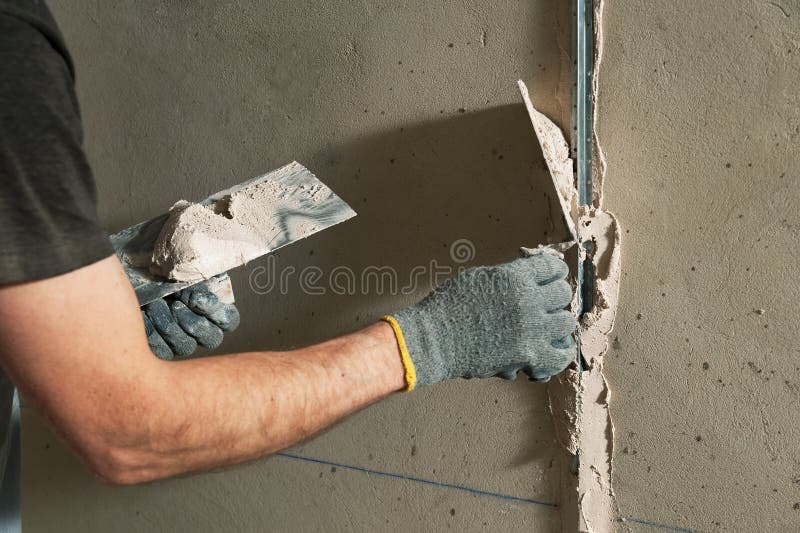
<point>470,490</point>
<point>463,488</point>
<point>656,525</point>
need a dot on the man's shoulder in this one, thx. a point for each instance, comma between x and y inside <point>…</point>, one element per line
<point>27,27</point>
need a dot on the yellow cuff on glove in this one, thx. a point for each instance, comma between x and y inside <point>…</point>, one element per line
<point>408,364</point>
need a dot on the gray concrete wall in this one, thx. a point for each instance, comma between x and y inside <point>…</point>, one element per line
<point>700,120</point>
<point>409,111</point>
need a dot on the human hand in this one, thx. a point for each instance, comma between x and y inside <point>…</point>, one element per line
<point>490,321</point>
<point>175,325</point>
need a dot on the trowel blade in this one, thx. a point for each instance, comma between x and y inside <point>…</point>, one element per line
<point>134,245</point>
<point>559,164</point>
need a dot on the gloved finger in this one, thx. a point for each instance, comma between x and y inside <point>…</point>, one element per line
<point>202,329</point>
<point>204,302</point>
<point>178,340</point>
<point>545,268</point>
<point>539,377</point>
<point>560,354</point>
<point>565,353</point>
<point>154,340</point>
<point>555,295</point>
<point>561,324</point>
<point>510,375</point>
<point>537,374</point>
<point>567,343</point>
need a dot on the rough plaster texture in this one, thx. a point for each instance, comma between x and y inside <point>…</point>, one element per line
<point>699,119</point>
<point>410,112</point>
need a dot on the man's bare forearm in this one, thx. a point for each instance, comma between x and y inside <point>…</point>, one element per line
<point>228,409</point>
<point>75,346</point>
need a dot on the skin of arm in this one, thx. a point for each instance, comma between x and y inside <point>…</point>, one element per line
<point>75,346</point>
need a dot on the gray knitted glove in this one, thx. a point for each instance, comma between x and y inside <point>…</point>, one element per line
<point>490,321</point>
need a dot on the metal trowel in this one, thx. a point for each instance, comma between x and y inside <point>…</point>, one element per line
<point>134,245</point>
<point>556,155</point>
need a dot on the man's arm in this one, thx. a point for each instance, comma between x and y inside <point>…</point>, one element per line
<point>75,346</point>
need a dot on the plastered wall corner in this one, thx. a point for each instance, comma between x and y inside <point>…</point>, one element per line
<point>600,228</point>
<point>598,157</point>
<point>580,399</point>
<point>597,504</point>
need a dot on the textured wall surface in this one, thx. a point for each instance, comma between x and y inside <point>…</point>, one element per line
<point>700,121</point>
<point>410,112</point>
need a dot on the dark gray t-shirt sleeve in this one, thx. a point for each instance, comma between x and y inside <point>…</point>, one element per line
<point>48,204</point>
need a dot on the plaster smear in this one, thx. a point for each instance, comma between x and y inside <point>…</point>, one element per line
<point>596,428</point>
<point>597,504</point>
<point>599,158</point>
<point>579,399</point>
<point>199,241</point>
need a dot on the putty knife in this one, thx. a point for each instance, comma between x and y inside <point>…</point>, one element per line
<point>134,245</point>
<point>556,155</point>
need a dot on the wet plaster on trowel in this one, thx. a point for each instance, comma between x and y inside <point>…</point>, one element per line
<point>580,398</point>
<point>199,241</point>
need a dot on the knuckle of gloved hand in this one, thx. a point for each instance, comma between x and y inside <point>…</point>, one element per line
<point>156,343</point>
<point>201,328</point>
<point>186,318</point>
<point>563,324</point>
<point>176,339</point>
<point>563,356</point>
<point>535,373</point>
<point>566,343</point>
<point>211,337</point>
<point>160,348</point>
<point>514,279</point>
<point>547,268</point>
<point>541,374</point>
<point>185,347</point>
<point>551,357</point>
<point>510,375</point>
<point>207,334</point>
<point>233,318</point>
<point>561,293</point>
<point>160,315</point>
<point>203,301</point>
<point>197,328</point>
<point>175,335</point>
<point>226,317</point>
